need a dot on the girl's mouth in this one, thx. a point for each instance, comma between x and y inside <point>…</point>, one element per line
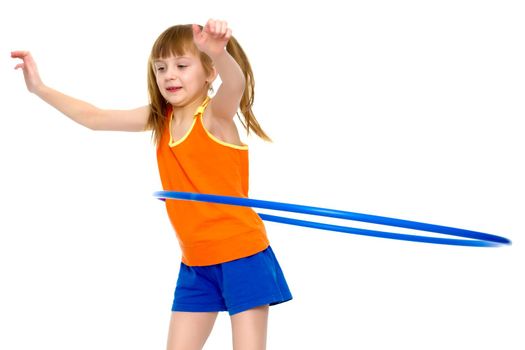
<point>173,88</point>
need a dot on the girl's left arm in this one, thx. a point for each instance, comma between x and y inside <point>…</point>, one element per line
<point>212,40</point>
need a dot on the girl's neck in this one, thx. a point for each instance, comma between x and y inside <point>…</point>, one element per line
<point>186,112</point>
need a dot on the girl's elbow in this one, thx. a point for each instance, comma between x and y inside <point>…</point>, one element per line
<point>94,120</point>
<point>238,87</point>
<point>242,83</point>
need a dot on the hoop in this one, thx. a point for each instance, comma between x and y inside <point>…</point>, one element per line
<point>476,239</point>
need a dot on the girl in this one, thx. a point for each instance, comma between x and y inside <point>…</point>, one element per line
<point>227,263</point>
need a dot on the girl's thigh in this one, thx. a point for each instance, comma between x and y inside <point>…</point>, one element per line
<point>190,330</point>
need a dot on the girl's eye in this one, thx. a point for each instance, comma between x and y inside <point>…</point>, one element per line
<point>160,69</point>
<point>181,66</point>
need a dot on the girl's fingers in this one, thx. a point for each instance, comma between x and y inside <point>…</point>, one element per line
<point>196,29</point>
<point>213,33</point>
<point>210,26</point>
<point>197,33</point>
<point>224,29</point>
<point>19,54</point>
<point>221,29</point>
<point>25,56</point>
<point>216,28</point>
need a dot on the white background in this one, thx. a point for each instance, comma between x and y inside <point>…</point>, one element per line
<point>407,109</point>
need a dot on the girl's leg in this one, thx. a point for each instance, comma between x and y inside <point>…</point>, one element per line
<point>249,329</point>
<point>189,330</point>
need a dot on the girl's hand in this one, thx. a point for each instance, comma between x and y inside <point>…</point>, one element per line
<point>212,39</point>
<point>28,66</point>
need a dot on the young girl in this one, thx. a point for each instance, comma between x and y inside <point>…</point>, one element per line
<point>227,263</point>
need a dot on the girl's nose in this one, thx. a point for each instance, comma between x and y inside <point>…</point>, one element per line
<point>171,74</point>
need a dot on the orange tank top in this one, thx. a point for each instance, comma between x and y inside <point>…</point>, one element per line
<point>199,162</point>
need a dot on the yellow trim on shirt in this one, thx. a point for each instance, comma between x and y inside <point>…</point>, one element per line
<point>231,145</point>
<point>175,143</point>
<point>199,113</point>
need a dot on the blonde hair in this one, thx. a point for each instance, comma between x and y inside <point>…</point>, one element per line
<point>178,40</point>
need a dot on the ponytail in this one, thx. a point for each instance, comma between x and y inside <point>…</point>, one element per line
<point>250,123</point>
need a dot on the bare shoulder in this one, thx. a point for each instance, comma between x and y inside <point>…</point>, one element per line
<point>223,129</point>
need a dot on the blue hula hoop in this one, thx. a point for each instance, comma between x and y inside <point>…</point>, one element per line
<point>476,239</point>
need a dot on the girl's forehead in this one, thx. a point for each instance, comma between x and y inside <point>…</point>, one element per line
<point>174,57</point>
<point>174,48</point>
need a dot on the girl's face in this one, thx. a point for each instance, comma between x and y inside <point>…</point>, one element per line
<point>181,79</point>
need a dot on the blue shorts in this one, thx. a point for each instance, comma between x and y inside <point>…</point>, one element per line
<point>233,286</point>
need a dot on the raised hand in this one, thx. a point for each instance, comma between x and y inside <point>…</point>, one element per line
<point>212,38</point>
<point>28,66</point>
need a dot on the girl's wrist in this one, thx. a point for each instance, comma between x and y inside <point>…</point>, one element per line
<point>218,55</point>
<point>40,89</point>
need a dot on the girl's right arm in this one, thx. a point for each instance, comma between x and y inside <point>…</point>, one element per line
<point>81,112</point>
